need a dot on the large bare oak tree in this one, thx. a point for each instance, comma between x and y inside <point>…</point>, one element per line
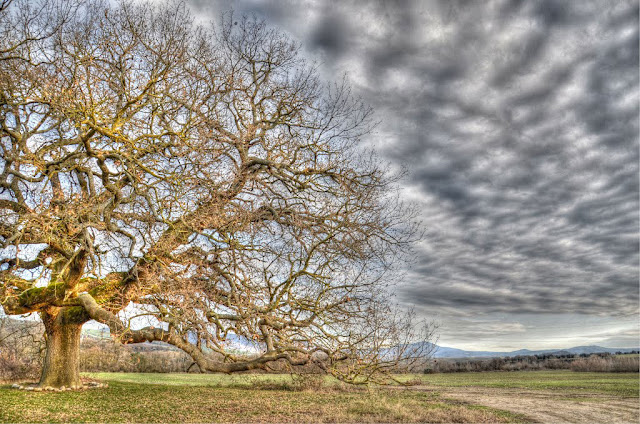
<point>205,178</point>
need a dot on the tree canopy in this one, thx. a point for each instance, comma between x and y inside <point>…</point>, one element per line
<point>203,176</point>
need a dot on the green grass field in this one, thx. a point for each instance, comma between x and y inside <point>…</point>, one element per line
<point>279,398</point>
<point>217,380</point>
<point>619,384</point>
<point>244,398</point>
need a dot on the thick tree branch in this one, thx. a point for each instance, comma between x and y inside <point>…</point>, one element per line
<point>205,174</point>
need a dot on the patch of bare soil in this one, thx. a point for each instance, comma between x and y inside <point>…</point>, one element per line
<point>551,406</point>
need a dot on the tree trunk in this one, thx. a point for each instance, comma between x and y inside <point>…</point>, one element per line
<point>62,362</point>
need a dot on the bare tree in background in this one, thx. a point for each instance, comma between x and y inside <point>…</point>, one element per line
<point>21,348</point>
<point>204,176</point>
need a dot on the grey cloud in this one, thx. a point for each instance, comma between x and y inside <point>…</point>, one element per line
<point>503,332</point>
<point>518,122</point>
<point>556,179</point>
<point>330,34</point>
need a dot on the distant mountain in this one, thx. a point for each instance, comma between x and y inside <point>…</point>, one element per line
<point>598,349</point>
<point>449,352</point>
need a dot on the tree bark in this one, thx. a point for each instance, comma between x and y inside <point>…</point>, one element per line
<point>62,362</point>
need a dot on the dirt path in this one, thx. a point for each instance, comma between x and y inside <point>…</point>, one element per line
<point>549,406</point>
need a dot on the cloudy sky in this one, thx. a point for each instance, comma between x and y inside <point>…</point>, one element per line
<point>518,123</point>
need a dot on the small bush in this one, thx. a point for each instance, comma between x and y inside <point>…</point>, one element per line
<point>307,382</point>
<point>21,349</point>
<point>598,362</point>
<point>626,364</point>
<point>18,367</point>
<point>607,364</point>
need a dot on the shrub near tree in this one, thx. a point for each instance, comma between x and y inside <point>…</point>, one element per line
<point>202,177</point>
<point>21,348</point>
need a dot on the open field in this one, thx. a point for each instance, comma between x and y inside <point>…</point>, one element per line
<point>546,396</point>
<point>253,398</point>
<point>466,397</point>
<point>618,384</point>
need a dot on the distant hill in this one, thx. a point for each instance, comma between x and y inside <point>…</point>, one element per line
<point>449,352</point>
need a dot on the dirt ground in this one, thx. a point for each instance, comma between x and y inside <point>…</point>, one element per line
<point>551,406</point>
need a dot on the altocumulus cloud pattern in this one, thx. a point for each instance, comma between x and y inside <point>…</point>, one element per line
<point>518,123</point>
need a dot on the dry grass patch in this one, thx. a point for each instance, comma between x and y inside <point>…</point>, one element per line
<point>130,402</point>
<point>614,384</point>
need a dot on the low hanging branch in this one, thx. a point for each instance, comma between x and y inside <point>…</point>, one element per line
<point>203,177</point>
